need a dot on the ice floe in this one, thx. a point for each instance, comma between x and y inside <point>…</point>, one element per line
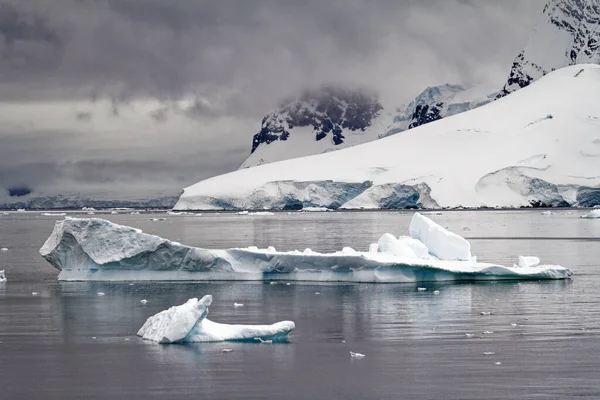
<point>187,323</point>
<point>592,214</point>
<point>96,249</point>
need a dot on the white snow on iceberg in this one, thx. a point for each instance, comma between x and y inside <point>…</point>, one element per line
<point>187,323</point>
<point>96,249</point>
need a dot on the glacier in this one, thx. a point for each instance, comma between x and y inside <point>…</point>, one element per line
<point>187,323</point>
<point>98,250</point>
<point>538,146</point>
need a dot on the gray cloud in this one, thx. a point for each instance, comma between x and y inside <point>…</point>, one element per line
<point>244,56</point>
<point>220,66</point>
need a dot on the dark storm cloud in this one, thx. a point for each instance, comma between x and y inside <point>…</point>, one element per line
<point>245,55</point>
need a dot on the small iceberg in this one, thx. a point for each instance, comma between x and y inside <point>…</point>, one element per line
<point>594,214</point>
<point>92,249</point>
<point>2,277</point>
<point>187,323</point>
<point>356,355</point>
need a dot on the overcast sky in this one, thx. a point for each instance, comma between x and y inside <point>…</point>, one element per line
<point>143,97</point>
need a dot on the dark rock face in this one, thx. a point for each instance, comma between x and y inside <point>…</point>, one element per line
<point>328,111</point>
<point>425,113</point>
<point>575,23</point>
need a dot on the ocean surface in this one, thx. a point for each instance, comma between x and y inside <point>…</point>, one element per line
<point>542,338</point>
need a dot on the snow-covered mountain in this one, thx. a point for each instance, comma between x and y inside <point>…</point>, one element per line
<point>437,102</point>
<point>46,202</point>
<point>318,121</point>
<point>537,146</point>
<point>568,33</point>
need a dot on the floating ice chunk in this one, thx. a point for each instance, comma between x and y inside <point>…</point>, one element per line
<point>528,261</point>
<point>315,209</point>
<point>101,293</point>
<point>498,363</point>
<point>143,301</point>
<point>421,289</point>
<point>88,209</point>
<point>488,353</point>
<point>356,355</point>
<point>261,213</point>
<point>594,214</point>
<point>227,350</point>
<point>2,277</point>
<point>548,212</point>
<point>20,210</point>
<point>3,249</point>
<point>96,249</point>
<point>436,292</point>
<point>441,243</point>
<point>157,219</point>
<point>486,313</point>
<point>487,332</point>
<point>114,212</point>
<point>469,335</point>
<point>34,293</point>
<point>187,323</point>
<point>242,213</point>
<point>513,325</point>
<point>389,244</point>
<point>238,305</point>
<point>287,284</point>
<point>317,293</point>
<point>49,214</point>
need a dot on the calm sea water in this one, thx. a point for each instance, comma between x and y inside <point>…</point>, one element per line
<point>69,343</point>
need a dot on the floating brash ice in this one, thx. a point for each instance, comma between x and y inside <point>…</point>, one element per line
<point>187,323</point>
<point>96,249</point>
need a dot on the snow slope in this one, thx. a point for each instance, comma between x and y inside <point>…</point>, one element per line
<point>567,33</point>
<point>539,145</point>
<point>98,250</point>
<point>437,102</point>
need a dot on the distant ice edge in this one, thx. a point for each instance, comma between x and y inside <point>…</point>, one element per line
<point>98,250</point>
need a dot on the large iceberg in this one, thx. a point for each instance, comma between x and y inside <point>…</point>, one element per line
<point>96,249</point>
<point>187,323</point>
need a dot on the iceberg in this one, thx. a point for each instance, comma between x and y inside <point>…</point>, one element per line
<point>594,214</point>
<point>187,323</point>
<point>93,249</point>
